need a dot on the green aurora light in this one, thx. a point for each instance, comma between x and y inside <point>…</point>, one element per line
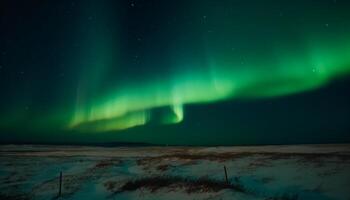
<point>130,106</point>
<point>126,62</point>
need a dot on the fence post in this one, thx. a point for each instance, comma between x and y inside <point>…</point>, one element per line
<point>60,189</point>
<point>226,175</point>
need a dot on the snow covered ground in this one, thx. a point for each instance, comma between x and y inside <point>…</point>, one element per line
<point>290,172</point>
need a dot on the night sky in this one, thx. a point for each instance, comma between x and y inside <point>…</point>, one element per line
<point>184,72</point>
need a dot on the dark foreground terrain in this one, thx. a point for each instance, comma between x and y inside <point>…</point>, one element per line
<point>267,172</point>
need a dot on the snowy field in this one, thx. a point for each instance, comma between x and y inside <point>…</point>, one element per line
<point>319,172</point>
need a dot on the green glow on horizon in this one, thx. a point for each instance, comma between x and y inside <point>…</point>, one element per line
<point>122,71</point>
<point>128,107</point>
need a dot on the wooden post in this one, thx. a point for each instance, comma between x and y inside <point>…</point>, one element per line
<point>60,189</point>
<point>226,175</point>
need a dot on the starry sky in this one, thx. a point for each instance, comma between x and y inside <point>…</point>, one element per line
<point>185,72</point>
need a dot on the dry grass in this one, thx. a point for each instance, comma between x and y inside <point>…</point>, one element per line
<point>174,182</point>
<point>267,156</point>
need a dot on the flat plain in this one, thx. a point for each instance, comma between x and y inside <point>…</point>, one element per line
<point>285,172</point>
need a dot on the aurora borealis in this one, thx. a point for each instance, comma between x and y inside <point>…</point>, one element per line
<point>184,72</point>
